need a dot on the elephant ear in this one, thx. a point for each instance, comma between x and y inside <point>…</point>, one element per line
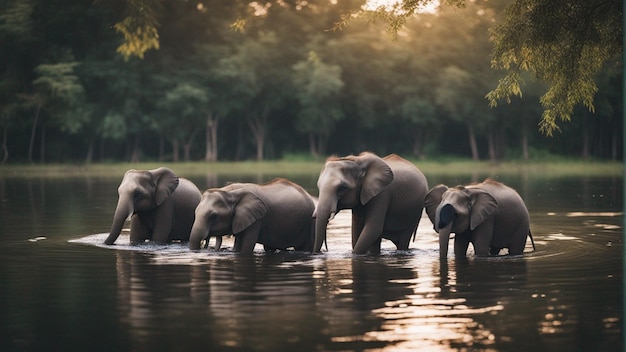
<point>432,200</point>
<point>377,176</point>
<point>166,182</point>
<point>249,209</point>
<point>483,206</point>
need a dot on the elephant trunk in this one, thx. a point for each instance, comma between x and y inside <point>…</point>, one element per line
<point>124,211</point>
<point>198,233</point>
<point>323,214</point>
<point>444,239</point>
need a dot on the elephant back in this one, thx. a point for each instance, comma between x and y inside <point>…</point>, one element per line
<point>282,194</point>
<point>407,175</point>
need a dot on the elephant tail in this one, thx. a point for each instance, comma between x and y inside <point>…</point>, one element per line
<point>530,234</point>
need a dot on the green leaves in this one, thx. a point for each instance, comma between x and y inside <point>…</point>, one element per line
<point>58,90</point>
<point>564,44</point>
<point>138,28</point>
<point>317,88</point>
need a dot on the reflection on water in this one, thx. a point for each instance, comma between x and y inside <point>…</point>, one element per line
<point>566,295</point>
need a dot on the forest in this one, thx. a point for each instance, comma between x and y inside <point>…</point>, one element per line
<point>254,80</point>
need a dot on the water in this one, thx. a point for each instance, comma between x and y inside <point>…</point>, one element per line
<point>61,290</point>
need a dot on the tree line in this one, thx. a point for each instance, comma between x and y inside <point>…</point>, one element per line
<point>235,80</point>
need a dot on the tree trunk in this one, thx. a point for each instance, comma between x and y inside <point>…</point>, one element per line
<point>89,157</point>
<point>321,144</point>
<point>614,144</point>
<point>42,146</point>
<point>525,153</point>
<point>187,145</point>
<point>239,150</point>
<point>134,154</point>
<point>211,138</point>
<point>257,124</point>
<point>161,148</point>
<point>585,150</point>
<point>312,148</point>
<point>491,141</point>
<point>32,134</point>
<point>472,142</point>
<point>175,156</point>
<point>5,150</point>
<point>417,148</point>
<point>187,151</point>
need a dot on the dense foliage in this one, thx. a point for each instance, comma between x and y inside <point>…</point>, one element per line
<point>231,80</point>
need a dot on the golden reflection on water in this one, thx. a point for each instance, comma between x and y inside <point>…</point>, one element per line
<point>421,320</point>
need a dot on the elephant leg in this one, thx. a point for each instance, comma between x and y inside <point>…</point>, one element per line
<point>375,248</point>
<point>357,226</point>
<point>163,221</point>
<point>237,244</point>
<point>481,238</point>
<point>247,239</point>
<point>518,243</point>
<point>372,231</point>
<point>139,231</point>
<point>403,239</point>
<point>461,243</point>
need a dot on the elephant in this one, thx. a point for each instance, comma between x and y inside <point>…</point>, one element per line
<point>490,215</point>
<point>276,214</point>
<point>160,206</point>
<point>386,196</point>
<point>228,187</point>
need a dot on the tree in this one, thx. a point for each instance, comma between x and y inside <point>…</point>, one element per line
<point>16,36</point>
<point>259,82</point>
<point>564,43</point>
<point>57,91</point>
<point>186,106</point>
<point>451,95</point>
<point>317,87</point>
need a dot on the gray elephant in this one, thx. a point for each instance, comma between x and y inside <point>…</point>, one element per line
<point>228,187</point>
<point>490,215</point>
<point>386,196</point>
<point>160,206</point>
<point>276,214</point>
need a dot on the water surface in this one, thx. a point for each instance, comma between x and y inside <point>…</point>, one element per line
<point>60,289</point>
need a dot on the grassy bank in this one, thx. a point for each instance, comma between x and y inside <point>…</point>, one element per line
<point>287,168</point>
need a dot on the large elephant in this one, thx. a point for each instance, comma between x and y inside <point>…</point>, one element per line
<point>160,206</point>
<point>276,214</point>
<point>386,196</point>
<point>489,214</point>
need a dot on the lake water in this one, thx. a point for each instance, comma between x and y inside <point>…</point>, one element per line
<point>61,290</point>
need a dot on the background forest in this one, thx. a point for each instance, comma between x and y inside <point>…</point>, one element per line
<point>283,82</point>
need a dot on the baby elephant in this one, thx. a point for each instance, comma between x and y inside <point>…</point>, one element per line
<point>489,214</point>
<point>276,214</point>
<point>160,206</point>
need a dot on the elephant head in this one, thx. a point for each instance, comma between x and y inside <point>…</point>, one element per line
<point>457,210</point>
<point>141,190</point>
<point>346,183</point>
<point>223,212</point>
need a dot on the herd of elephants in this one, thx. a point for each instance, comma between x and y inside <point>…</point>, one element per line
<point>387,196</point>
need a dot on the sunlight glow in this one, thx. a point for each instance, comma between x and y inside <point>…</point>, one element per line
<point>388,5</point>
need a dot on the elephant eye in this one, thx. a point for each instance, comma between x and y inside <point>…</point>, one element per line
<point>137,194</point>
<point>213,217</point>
<point>343,188</point>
